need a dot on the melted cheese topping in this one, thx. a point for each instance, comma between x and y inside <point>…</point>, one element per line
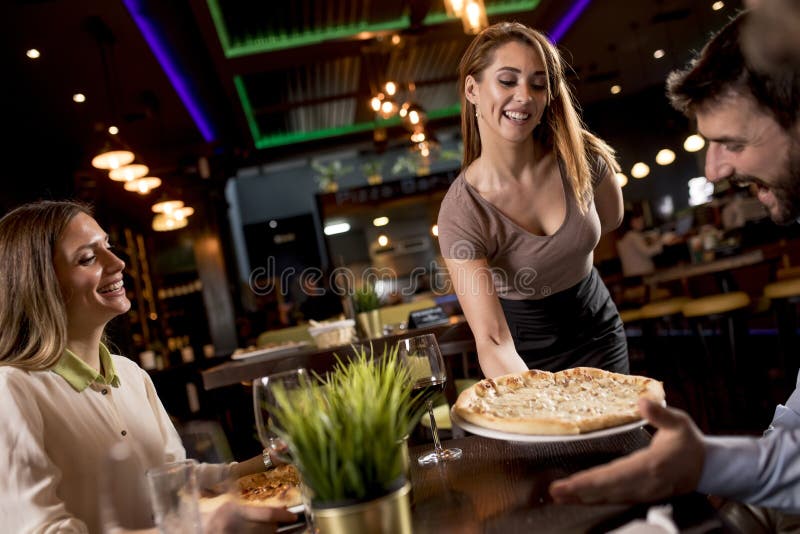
<point>565,399</point>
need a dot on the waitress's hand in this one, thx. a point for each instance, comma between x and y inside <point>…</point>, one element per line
<point>670,465</point>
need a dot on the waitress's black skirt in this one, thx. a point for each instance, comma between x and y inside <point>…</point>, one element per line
<point>577,327</point>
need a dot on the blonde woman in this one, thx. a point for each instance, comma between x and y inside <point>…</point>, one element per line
<point>65,399</point>
<point>518,226</point>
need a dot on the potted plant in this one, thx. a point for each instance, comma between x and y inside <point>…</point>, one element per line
<point>367,303</point>
<point>328,175</point>
<point>346,435</point>
<point>372,170</point>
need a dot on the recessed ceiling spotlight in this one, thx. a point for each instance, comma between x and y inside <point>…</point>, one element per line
<point>640,170</point>
<point>658,54</point>
<point>665,156</point>
<point>716,6</point>
<point>33,53</point>
<point>113,130</point>
<point>79,98</point>
<point>615,89</point>
<point>693,143</point>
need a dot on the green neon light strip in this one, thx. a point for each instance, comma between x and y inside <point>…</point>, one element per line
<point>271,43</point>
<point>282,139</point>
<point>247,108</point>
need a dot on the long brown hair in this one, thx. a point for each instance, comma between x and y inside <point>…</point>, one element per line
<point>561,128</point>
<point>33,318</point>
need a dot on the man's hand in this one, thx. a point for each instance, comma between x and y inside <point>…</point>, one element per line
<point>670,465</point>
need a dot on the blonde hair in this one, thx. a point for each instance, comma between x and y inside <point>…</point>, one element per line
<point>561,127</point>
<point>33,318</point>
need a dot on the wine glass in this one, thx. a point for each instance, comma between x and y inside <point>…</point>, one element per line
<point>264,398</point>
<point>426,366</point>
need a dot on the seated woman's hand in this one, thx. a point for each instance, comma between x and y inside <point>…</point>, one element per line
<point>233,518</point>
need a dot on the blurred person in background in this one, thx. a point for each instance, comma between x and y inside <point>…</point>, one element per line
<point>518,226</point>
<point>66,400</point>
<point>750,119</point>
<point>636,250</point>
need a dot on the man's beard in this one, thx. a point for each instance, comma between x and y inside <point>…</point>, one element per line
<point>785,189</point>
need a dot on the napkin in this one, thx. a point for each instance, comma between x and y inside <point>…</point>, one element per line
<point>658,521</point>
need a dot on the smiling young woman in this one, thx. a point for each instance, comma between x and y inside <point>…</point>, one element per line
<point>518,226</point>
<point>66,400</point>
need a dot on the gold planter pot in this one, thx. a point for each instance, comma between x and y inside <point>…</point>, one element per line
<point>390,514</point>
<point>370,323</point>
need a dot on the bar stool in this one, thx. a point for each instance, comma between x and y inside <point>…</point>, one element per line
<point>721,307</point>
<point>719,375</point>
<point>662,343</point>
<point>784,296</point>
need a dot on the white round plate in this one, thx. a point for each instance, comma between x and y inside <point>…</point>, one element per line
<point>541,438</point>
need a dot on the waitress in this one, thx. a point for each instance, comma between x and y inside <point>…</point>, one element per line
<point>518,226</point>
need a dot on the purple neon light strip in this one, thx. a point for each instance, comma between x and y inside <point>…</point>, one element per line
<point>563,25</point>
<point>162,52</point>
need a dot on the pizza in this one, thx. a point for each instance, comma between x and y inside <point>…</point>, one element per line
<point>279,487</point>
<point>573,401</point>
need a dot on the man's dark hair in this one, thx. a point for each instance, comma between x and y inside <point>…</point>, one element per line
<point>721,68</point>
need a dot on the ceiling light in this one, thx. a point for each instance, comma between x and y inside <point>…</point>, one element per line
<point>33,53</point>
<point>112,159</point>
<point>164,223</point>
<point>182,213</point>
<point>454,8</point>
<point>693,143</point>
<point>143,185</point>
<point>337,228</point>
<point>79,98</point>
<point>658,54</point>
<point>665,156</point>
<point>417,137</point>
<point>395,39</point>
<point>435,230</point>
<point>375,103</point>
<point>166,206</point>
<point>380,221</point>
<point>383,240</point>
<point>716,6</point>
<point>622,180</point>
<point>474,17</point>
<point>273,224</point>
<point>126,173</point>
<point>391,88</point>
<point>640,170</point>
<point>615,89</point>
<point>387,107</point>
<point>113,130</point>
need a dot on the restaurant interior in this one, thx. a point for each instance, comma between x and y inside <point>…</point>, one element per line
<point>271,139</point>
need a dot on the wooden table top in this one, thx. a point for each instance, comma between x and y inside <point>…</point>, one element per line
<point>721,265</point>
<point>452,338</point>
<point>499,486</point>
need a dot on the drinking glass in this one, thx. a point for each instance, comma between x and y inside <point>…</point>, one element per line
<point>264,397</point>
<point>426,366</point>
<point>175,497</point>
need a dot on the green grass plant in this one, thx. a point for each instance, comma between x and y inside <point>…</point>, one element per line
<point>346,432</point>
